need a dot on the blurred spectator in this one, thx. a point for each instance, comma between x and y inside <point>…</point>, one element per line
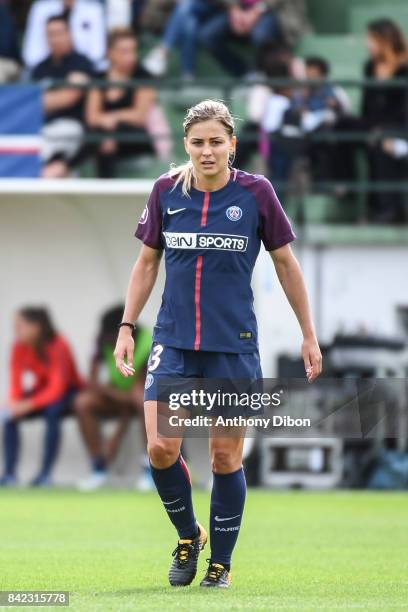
<point>127,111</point>
<point>63,107</point>
<point>86,20</point>
<point>153,15</point>
<point>9,52</point>
<point>321,95</point>
<point>259,22</point>
<point>384,108</point>
<point>118,397</point>
<point>43,382</point>
<point>272,62</point>
<point>136,13</point>
<point>19,10</point>
<point>281,125</point>
<point>320,105</point>
<point>182,30</point>
<point>396,147</point>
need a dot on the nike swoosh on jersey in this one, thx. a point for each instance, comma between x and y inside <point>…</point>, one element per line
<point>171,502</point>
<point>175,211</point>
<point>229,518</point>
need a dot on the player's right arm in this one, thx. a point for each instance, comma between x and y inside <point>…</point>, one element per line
<point>142,280</point>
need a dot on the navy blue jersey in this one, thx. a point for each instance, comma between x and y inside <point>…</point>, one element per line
<point>211,242</point>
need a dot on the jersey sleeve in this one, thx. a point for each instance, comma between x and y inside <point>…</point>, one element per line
<point>149,228</point>
<point>275,229</point>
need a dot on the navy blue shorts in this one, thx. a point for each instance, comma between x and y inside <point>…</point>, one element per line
<point>168,362</point>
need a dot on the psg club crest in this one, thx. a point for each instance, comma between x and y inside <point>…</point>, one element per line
<point>234,213</point>
<point>144,216</point>
<point>149,381</point>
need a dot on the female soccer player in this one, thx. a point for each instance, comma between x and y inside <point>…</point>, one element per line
<point>210,220</point>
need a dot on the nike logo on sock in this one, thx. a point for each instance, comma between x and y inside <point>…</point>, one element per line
<point>175,211</point>
<point>218,519</point>
<point>171,502</point>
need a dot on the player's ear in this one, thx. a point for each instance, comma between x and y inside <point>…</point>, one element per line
<point>186,145</point>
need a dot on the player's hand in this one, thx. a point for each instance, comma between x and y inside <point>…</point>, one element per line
<point>312,358</point>
<point>19,408</point>
<point>124,349</point>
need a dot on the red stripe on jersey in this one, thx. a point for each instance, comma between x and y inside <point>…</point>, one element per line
<point>205,208</point>
<point>197,291</point>
<point>185,468</point>
<point>199,267</point>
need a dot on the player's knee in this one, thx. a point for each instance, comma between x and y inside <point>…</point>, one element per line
<point>82,402</point>
<point>223,461</point>
<point>161,453</point>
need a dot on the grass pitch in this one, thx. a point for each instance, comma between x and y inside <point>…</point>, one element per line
<point>112,550</point>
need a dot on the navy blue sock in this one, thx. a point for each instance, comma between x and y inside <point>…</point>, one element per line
<point>98,464</point>
<point>174,487</point>
<point>227,505</point>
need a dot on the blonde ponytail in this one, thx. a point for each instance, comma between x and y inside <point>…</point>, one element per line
<point>184,174</point>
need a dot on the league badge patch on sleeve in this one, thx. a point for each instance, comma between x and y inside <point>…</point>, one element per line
<point>144,216</point>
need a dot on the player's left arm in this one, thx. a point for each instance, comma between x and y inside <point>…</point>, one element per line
<point>290,277</point>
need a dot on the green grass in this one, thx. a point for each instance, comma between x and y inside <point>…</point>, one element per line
<point>111,550</point>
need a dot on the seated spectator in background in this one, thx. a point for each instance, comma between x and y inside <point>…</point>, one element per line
<point>396,147</point>
<point>384,108</point>
<point>278,21</point>
<point>63,107</point>
<point>320,106</point>
<point>322,96</point>
<point>9,51</point>
<point>43,381</point>
<point>127,111</point>
<point>281,126</point>
<point>182,30</point>
<point>117,397</point>
<point>86,20</point>
<point>137,7</point>
<point>272,62</point>
<point>153,15</point>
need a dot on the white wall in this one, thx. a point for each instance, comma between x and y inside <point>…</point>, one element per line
<point>72,253</point>
<point>361,288</point>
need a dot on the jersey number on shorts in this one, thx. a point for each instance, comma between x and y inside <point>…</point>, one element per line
<point>155,357</point>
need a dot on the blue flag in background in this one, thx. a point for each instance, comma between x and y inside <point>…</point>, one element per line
<point>21,120</point>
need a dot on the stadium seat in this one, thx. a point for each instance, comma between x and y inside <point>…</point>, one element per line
<point>324,208</point>
<point>329,17</point>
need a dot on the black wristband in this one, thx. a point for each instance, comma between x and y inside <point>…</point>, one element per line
<point>125,324</point>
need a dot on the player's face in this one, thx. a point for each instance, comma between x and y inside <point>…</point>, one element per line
<point>209,146</point>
